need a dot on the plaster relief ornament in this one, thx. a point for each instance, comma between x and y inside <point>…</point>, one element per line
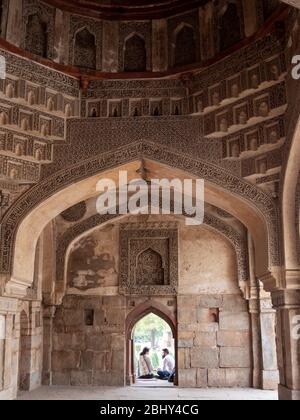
<point>253,144</point>
<point>216,99</point>
<point>235,150</point>
<point>235,91</point>
<point>9,91</point>
<point>243,118</point>
<point>224,125</point>
<point>273,138</point>
<point>254,81</point>
<point>3,118</point>
<point>263,110</point>
<point>31,98</point>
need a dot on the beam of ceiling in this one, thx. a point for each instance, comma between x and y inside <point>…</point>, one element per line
<point>294,3</point>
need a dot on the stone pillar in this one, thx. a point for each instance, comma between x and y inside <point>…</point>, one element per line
<point>207,35</point>
<point>61,39</point>
<point>14,22</point>
<point>255,321</point>
<point>250,17</point>
<point>270,375</point>
<point>159,45</point>
<point>265,370</point>
<point>9,352</point>
<point>48,316</point>
<point>287,304</point>
<point>110,50</point>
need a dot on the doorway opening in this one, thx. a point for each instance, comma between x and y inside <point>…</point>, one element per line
<point>156,333</point>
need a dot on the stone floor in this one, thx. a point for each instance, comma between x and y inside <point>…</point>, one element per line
<point>147,393</point>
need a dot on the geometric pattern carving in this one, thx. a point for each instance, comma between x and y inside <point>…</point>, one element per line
<point>85,50</point>
<point>85,42</point>
<point>38,25</point>
<point>149,259</point>
<point>135,54</point>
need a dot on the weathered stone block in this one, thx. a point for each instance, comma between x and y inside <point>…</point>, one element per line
<point>204,358</point>
<point>114,301</point>
<point>73,317</point>
<point>81,378</point>
<point>184,358</point>
<point>187,378</point>
<point>118,360</point>
<point>118,342</point>
<point>203,315</point>
<point>87,360</point>
<point>202,378</point>
<point>100,361</point>
<point>99,317</point>
<point>70,341</point>
<point>187,315</point>
<point>185,339</point>
<point>65,360</point>
<point>221,378</point>
<point>233,339</point>
<point>211,327</point>
<point>217,378</point>
<point>270,380</point>
<point>210,301</point>
<point>234,321</point>
<point>235,357</point>
<point>234,303</point>
<point>238,378</point>
<point>61,378</point>
<point>98,342</point>
<point>205,339</point>
<point>108,378</point>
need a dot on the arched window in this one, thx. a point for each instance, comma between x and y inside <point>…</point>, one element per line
<point>135,55</point>
<point>185,47</point>
<point>36,36</point>
<point>85,50</point>
<point>230,27</point>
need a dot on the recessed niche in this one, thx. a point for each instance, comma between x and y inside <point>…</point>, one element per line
<point>89,316</point>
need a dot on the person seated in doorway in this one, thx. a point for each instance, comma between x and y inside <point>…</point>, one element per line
<point>168,365</point>
<point>145,365</point>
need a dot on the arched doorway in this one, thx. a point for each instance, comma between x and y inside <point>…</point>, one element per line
<point>133,319</point>
<point>154,333</point>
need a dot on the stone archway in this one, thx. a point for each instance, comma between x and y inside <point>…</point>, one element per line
<point>253,208</point>
<point>144,309</point>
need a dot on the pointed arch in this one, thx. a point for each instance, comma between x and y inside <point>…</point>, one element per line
<point>230,26</point>
<point>135,54</point>
<point>185,46</point>
<point>85,55</point>
<point>36,39</point>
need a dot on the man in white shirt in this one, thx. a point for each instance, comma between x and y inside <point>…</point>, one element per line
<point>168,365</point>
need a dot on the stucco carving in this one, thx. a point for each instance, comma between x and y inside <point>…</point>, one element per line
<point>159,239</point>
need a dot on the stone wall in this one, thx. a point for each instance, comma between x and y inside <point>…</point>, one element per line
<point>89,354</point>
<point>21,345</point>
<point>214,341</point>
